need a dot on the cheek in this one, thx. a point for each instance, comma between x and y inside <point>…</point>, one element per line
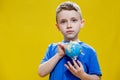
<point>62,29</point>
<point>77,27</point>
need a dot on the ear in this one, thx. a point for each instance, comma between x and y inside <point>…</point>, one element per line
<point>57,26</point>
<point>82,23</point>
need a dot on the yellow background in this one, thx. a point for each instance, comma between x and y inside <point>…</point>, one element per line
<point>28,26</point>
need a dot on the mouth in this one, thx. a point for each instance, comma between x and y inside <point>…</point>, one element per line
<point>69,31</point>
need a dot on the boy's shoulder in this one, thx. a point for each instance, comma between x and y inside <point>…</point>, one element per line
<point>88,47</point>
<point>52,46</point>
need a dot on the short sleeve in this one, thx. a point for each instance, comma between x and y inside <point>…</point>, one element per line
<point>47,54</point>
<point>94,67</point>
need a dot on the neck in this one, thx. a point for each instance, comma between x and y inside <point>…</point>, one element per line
<point>68,40</point>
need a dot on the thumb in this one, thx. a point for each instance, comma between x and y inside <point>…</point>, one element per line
<point>60,46</point>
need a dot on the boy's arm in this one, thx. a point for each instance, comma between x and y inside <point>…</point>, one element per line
<point>78,71</point>
<point>90,77</point>
<point>46,67</point>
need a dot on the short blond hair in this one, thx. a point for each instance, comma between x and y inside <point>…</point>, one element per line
<point>68,6</point>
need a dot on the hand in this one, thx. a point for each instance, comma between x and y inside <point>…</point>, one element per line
<point>76,69</point>
<point>61,50</point>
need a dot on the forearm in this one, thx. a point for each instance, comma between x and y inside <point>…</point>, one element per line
<point>86,76</point>
<point>46,67</point>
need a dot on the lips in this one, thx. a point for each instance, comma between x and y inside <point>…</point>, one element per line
<point>69,31</point>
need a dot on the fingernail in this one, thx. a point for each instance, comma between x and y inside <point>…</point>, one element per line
<point>68,62</point>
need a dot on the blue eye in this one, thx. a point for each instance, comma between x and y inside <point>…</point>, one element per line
<point>74,20</point>
<point>62,22</point>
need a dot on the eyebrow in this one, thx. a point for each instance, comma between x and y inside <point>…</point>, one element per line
<point>74,18</point>
<point>70,18</point>
<point>63,19</point>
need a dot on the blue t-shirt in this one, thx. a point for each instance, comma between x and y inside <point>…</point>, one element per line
<point>88,58</point>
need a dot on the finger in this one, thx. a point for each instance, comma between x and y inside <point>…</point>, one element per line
<point>76,65</point>
<point>71,67</point>
<point>67,66</point>
<point>60,45</point>
<point>66,46</point>
<point>80,64</point>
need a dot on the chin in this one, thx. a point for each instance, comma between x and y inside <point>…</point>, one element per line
<point>70,37</point>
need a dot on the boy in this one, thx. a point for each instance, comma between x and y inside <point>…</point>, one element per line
<point>69,22</point>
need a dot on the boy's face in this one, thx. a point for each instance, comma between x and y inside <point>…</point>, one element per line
<point>69,24</point>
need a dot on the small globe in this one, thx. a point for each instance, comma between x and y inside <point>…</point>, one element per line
<point>73,49</point>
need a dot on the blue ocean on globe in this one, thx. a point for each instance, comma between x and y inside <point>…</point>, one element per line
<point>73,49</point>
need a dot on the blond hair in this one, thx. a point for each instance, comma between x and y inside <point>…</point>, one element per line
<point>68,6</point>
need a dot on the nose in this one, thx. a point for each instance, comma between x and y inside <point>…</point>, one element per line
<point>69,25</point>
